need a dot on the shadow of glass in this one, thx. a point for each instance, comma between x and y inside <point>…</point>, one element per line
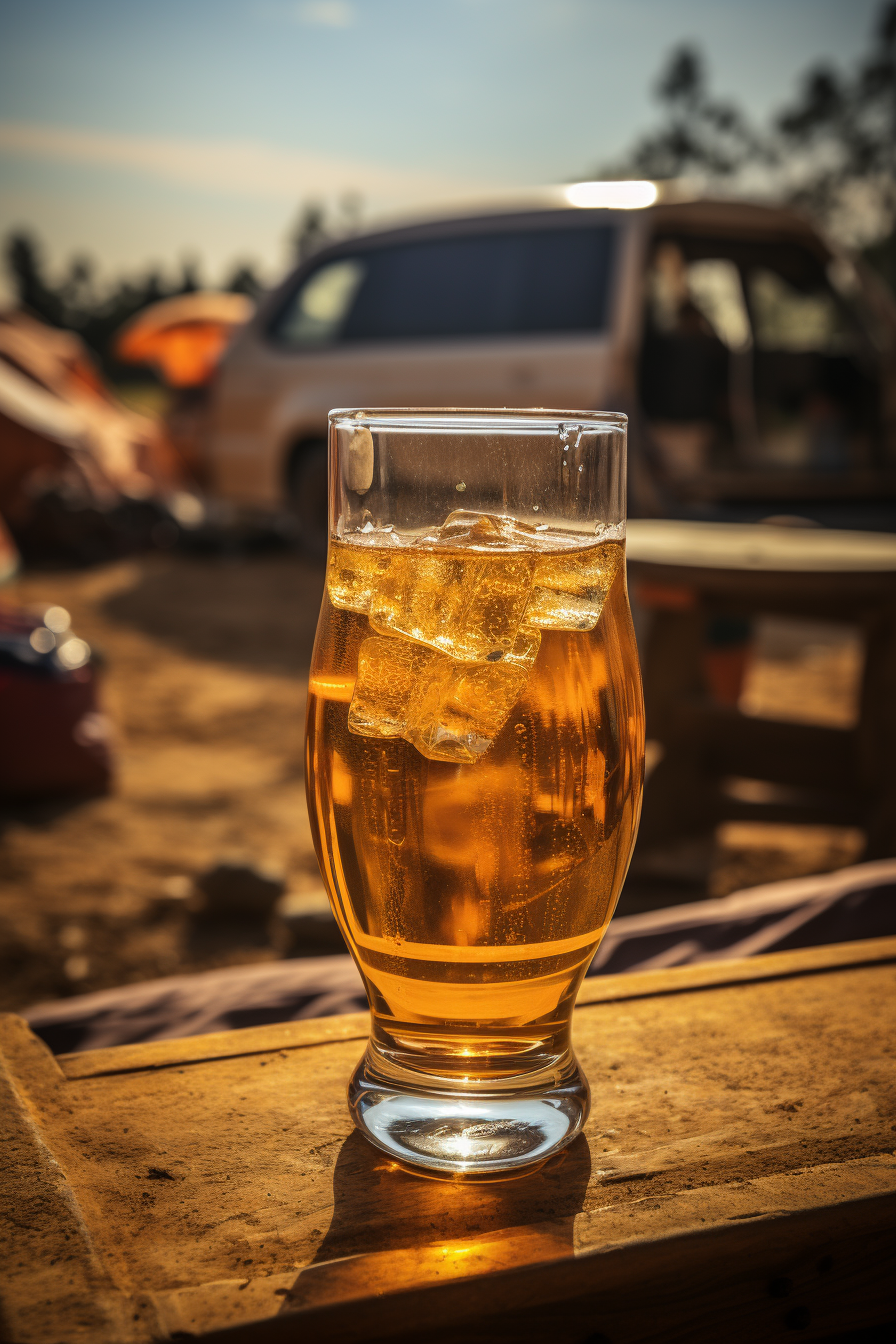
<point>392,1230</point>
<point>259,612</point>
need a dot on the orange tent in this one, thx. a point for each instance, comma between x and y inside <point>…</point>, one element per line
<point>183,338</point>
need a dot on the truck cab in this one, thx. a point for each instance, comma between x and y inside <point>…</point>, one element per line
<point>757,364</point>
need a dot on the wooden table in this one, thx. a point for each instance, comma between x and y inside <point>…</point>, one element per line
<point>689,572</point>
<point>736,1180</point>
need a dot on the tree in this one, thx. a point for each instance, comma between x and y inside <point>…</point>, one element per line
<point>77,303</point>
<point>25,265</point>
<point>841,135</point>
<point>701,134</point>
<point>316,227</point>
<point>96,313</point>
<point>831,151</point>
<point>243,279</point>
<point>312,231</point>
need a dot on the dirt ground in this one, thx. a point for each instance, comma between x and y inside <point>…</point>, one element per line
<point>205,681</point>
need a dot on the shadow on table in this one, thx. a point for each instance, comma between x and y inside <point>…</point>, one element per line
<point>391,1230</point>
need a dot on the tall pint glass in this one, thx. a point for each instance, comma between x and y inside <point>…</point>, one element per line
<point>474,764</point>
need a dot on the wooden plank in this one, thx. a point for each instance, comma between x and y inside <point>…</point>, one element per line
<point>355,1026</point>
<point>216,1045</point>
<point>832,597</point>
<point>742,970</point>
<point>812,808</point>
<point>741,1133</point>
<point>759,547</point>
<point>46,1249</point>
<point>492,1277</point>
<point>801,754</point>
<point>752,1261</point>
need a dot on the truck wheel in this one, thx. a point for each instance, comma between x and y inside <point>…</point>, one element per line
<point>308,496</point>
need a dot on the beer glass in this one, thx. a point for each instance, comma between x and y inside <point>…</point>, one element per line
<point>474,764</point>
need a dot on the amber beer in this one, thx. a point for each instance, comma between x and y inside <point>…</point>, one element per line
<point>474,756</point>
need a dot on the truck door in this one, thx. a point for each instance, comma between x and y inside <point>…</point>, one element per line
<point>506,314</point>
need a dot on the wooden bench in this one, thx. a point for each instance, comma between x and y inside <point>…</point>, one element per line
<point>736,1181</point>
<point>690,572</point>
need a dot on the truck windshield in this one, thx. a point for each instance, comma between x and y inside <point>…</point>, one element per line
<point>523,282</point>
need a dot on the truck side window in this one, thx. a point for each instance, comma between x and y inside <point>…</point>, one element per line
<point>752,362</point>
<point>786,319</point>
<point>492,284</point>
<point>815,402</point>
<point>696,318</point>
<point>315,315</point>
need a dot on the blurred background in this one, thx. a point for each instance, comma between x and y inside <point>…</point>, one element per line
<point>187,197</point>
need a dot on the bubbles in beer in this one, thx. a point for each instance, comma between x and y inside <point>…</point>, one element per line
<point>475,816</point>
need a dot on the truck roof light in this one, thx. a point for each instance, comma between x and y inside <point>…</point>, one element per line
<point>611,195</point>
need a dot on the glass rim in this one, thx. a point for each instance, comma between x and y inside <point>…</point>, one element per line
<point>472,417</point>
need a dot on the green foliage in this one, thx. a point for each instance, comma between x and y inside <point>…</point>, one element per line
<point>78,303</point>
<point>700,134</point>
<point>316,227</point>
<point>312,231</point>
<point>831,151</point>
<point>844,128</point>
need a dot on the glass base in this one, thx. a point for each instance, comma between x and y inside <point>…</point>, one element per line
<point>469,1135</point>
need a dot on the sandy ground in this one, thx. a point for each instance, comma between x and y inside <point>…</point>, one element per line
<point>205,679</point>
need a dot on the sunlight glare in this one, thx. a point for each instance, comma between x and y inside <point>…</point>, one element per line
<point>611,195</point>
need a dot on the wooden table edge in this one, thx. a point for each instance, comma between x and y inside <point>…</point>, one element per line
<point>606,1277</point>
<point>311,1032</point>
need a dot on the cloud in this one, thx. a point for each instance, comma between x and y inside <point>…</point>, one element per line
<point>235,168</point>
<point>325,13</point>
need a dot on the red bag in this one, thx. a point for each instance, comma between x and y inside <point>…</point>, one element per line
<point>53,739</point>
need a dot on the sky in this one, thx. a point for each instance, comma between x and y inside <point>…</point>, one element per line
<point>147,133</point>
